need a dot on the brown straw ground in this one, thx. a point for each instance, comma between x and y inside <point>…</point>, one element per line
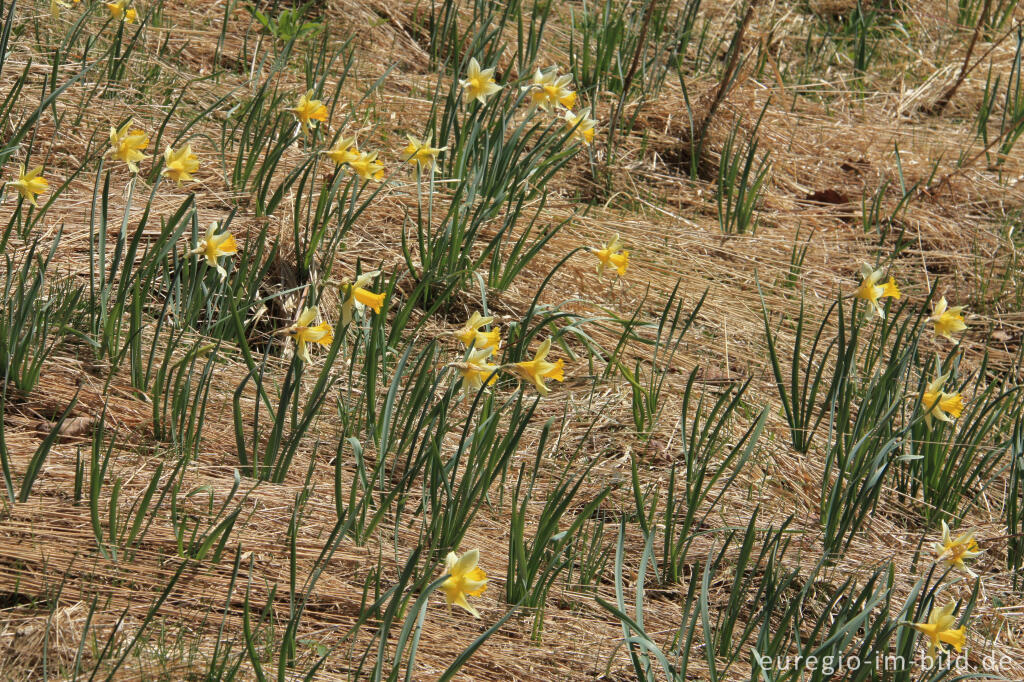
<point>830,143</point>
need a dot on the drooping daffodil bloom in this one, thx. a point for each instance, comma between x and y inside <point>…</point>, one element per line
<point>30,184</point>
<point>366,166</point>
<point>309,110</point>
<point>954,551</point>
<point>121,10</point>
<point>471,336</point>
<point>304,332</point>
<point>479,83</point>
<point>356,295</point>
<point>538,369</point>
<point>939,404</point>
<point>180,165</point>
<point>581,126</point>
<point>549,90</point>
<point>214,246</point>
<point>343,151</point>
<point>871,291</point>
<point>476,372</point>
<point>947,321</point>
<point>126,144</point>
<point>613,255</point>
<point>421,153</point>
<point>465,579</point>
<point>939,630</point>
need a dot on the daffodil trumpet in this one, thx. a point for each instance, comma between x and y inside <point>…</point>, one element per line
<point>421,153</point>
<point>476,372</point>
<point>304,333</point>
<point>955,551</point>
<point>479,83</point>
<point>536,370</point>
<point>871,291</point>
<point>357,297</point>
<point>214,246</point>
<point>30,183</point>
<point>612,254</point>
<point>465,579</point>
<point>939,404</point>
<point>947,320</point>
<point>939,630</point>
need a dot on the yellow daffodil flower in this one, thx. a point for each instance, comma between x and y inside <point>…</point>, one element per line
<point>308,109</point>
<point>490,340</point>
<point>356,295</point>
<point>479,83</point>
<point>549,90</point>
<point>366,166</point>
<point>476,372</point>
<point>947,320</point>
<point>939,630</point>
<point>304,334</point>
<point>215,245</point>
<point>180,165</point>
<point>612,254</point>
<point>939,404</point>
<point>30,183</point>
<point>465,578</point>
<point>869,289</point>
<point>127,145</point>
<point>582,127</point>
<point>421,153</point>
<point>953,551</point>
<point>471,336</point>
<point>344,151</point>
<point>536,370</point>
<point>120,10</point>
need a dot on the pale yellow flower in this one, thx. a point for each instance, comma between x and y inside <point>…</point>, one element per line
<point>613,255</point>
<point>120,10</point>
<point>308,109</point>
<point>127,145</point>
<point>344,151</point>
<point>536,370</point>
<point>939,630</point>
<point>548,90</point>
<point>471,336</point>
<point>479,83</point>
<point>476,372</point>
<point>869,289</point>
<point>357,296</point>
<point>947,321</point>
<point>180,165</point>
<point>421,153</point>
<point>465,578</point>
<point>581,126</point>
<point>303,333</point>
<point>953,551</point>
<point>30,183</point>
<point>943,406</point>
<point>214,246</point>
<point>366,166</point>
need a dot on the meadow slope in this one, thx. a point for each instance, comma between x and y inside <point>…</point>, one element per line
<point>744,450</point>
